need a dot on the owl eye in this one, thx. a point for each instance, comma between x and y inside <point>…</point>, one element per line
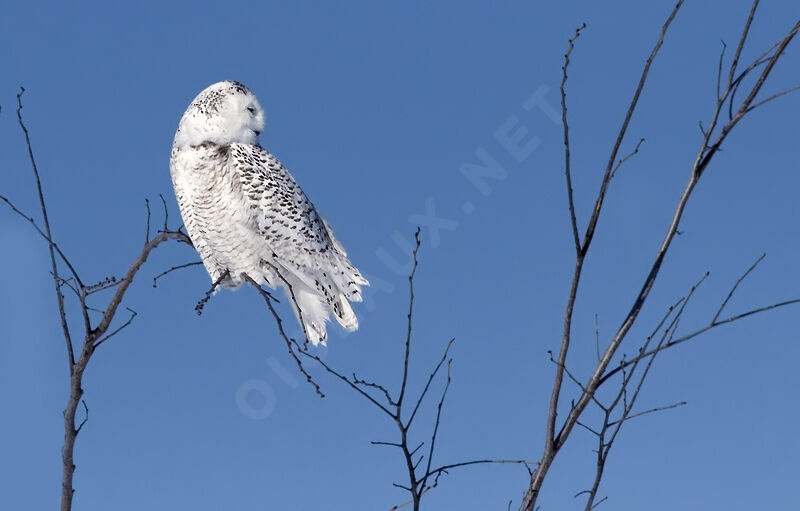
<point>251,109</point>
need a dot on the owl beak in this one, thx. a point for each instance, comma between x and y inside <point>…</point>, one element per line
<point>257,132</point>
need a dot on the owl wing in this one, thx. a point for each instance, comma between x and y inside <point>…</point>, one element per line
<point>301,240</point>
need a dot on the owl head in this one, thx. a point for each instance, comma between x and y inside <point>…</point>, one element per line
<point>224,113</point>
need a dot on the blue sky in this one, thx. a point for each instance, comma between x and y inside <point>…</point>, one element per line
<point>375,108</point>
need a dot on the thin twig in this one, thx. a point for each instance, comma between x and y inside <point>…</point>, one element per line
<point>208,294</point>
<point>85,417</point>
<point>623,130</point>
<point>590,430</point>
<point>604,445</point>
<point>115,332</point>
<point>104,284</point>
<point>428,471</point>
<point>774,96</point>
<point>628,157</point>
<point>147,228</point>
<point>166,213</point>
<point>706,328</point>
<point>719,71</point>
<point>735,286</point>
<point>390,444</point>
<point>597,337</point>
<point>573,378</point>
<point>44,236</point>
<point>377,386</point>
<point>290,343</point>
<point>343,378</point>
<point>567,169</point>
<point>476,462</point>
<point>715,322</point>
<point>410,312</point>
<point>170,270</point>
<point>428,383</point>
<point>652,410</point>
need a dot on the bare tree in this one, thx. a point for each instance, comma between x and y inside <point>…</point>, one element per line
<point>95,331</point>
<point>733,81</point>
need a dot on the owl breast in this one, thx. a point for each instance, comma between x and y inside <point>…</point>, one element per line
<point>215,212</point>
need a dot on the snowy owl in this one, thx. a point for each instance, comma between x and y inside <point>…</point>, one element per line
<point>247,216</point>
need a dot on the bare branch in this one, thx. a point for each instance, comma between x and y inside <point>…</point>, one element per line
<point>597,337</point>
<point>719,73</point>
<point>104,284</point>
<point>428,472</point>
<point>774,96</point>
<point>85,418</point>
<point>715,322</point>
<point>290,343</point>
<point>147,230</point>
<point>69,283</point>
<point>445,468</point>
<point>390,444</point>
<point>598,503</point>
<point>587,239</point>
<point>45,237</point>
<point>428,384</point>
<point>652,410</point>
<point>121,327</point>
<point>47,233</point>
<point>302,350</point>
<point>125,282</point>
<point>742,41</point>
<point>737,82</point>
<point>95,337</point>
<point>567,170</point>
<point>410,311</point>
<point>733,289</point>
<point>376,386</point>
<point>170,270</point>
<point>201,304</point>
<point>614,426</point>
<point>417,448</point>
<point>574,379</point>
<point>345,379</point>
<point>703,330</point>
<point>590,430</point>
<point>166,213</point>
<point>628,157</point>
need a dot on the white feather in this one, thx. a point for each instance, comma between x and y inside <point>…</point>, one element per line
<point>247,216</point>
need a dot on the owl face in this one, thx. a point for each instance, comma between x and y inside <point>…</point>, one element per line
<point>224,113</point>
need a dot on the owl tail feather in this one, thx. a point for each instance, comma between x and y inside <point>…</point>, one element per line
<point>344,314</point>
<point>313,312</point>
